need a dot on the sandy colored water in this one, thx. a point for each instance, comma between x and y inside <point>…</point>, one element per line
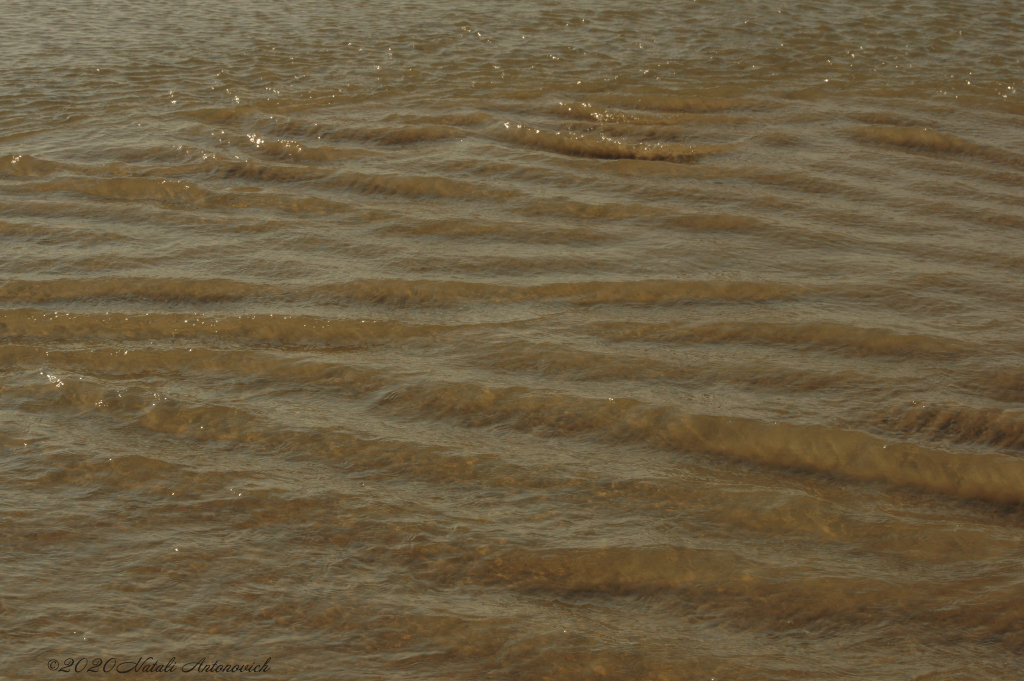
<point>605,340</point>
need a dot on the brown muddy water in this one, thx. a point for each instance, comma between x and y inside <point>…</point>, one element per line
<point>597,340</point>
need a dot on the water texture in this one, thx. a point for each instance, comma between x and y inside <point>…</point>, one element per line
<point>595,340</point>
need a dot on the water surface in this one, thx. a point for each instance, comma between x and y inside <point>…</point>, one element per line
<point>599,340</point>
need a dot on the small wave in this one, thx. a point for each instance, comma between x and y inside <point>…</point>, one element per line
<point>1005,386</point>
<point>227,114</point>
<point>803,182</point>
<point>580,210</point>
<point>443,293</point>
<point>608,570</point>
<point>259,329</point>
<point>519,233</point>
<point>161,290</point>
<point>179,194</point>
<point>42,234</point>
<point>396,135</point>
<point>683,104</point>
<point>123,188</point>
<point>926,139</point>
<point>593,112</point>
<point>548,359</point>
<point>575,144</point>
<point>497,265</point>
<point>299,153</point>
<point>286,203</point>
<point>413,187</point>
<point>248,169</point>
<point>994,427</point>
<point>455,119</point>
<point>855,455</point>
<point>237,364</point>
<point>140,408</point>
<point>889,119</point>
<point>713,223</point>
<point>413,134</point>
<point>403,292</point>
<point>848,339</point>
<point>19,165</point>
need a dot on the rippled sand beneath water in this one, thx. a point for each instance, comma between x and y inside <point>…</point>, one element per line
<point>587,341</point>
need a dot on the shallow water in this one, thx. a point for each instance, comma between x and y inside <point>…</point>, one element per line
<point>596,341</point>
